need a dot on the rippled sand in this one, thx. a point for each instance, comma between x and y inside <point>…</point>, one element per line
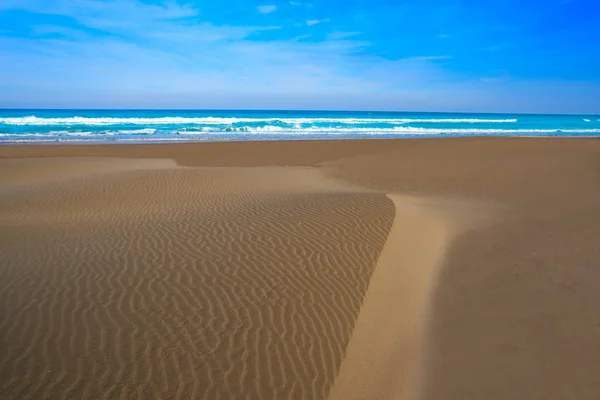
<point>140,279</point>
<point>461,269</point>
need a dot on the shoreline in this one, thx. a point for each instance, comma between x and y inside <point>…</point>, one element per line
<point>59,142</point>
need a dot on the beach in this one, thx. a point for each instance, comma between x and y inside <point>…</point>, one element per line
<point>459,268</point>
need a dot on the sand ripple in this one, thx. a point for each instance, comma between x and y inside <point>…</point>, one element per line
<point>183,283</point>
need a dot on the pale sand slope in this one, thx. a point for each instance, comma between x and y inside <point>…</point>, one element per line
<point>384,357</point>
<point>514,311</point>
<point>144,280</point>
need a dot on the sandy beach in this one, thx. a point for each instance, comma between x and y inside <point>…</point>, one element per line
<point>454,269</point>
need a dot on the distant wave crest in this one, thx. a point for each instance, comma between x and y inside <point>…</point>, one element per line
<point>37,121</point>
<point>276,130</point>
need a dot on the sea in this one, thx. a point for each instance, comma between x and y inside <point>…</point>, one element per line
<point>110,126</point>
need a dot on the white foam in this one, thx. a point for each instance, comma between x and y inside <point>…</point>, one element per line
<point>276,130</point>
<point>374,131</point>
<point>216,133</point>
<point>146,131</point>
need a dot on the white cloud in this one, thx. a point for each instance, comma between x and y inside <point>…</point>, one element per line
<point>242,74</point>
<point>301,37</point>
<point>295,3</point>
<point>42,30</point>
<point>443,36</point>
<point>118,9</point>
<point>114,16</point>
<point>312,22</point>
<point>341,35</point>
<point>266,9</point>
<point>163,56</point>
<point>168,21</point>
<point>159,52</point>
<point>429,58</point>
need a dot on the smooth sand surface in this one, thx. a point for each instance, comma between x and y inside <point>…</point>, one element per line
<point>383,359</point>
<point>400,269</point>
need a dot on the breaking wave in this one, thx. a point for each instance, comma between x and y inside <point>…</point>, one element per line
<point>157,125</point>
<point>275,130</point>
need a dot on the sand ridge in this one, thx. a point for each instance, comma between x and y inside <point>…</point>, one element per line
<point>384,359</point>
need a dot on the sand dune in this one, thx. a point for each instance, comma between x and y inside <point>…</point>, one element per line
<point>383,358</point>
<point>186,282</point>
<point>294,270</point>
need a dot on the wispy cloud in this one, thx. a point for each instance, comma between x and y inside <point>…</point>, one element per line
<point>341,35</point>
<point>312,22</point>
<point>56,30</point>
<point>266,9</point>
<point>134,20</point>
<point>166,47</point>
<point>429,58</point>
<point>191,53</point>
<point>94,8</point>
<point>302,37</point>
<point>130,17</point>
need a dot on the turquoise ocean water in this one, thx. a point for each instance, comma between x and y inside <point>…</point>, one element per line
<point>25,126</point>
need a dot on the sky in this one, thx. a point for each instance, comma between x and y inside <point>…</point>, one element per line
<point>529,56</point>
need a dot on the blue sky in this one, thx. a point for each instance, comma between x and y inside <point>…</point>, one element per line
<point>430,55</point>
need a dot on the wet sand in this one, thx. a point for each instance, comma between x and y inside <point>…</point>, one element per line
<point>400,269</point>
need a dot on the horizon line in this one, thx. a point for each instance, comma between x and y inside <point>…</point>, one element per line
<point>291,110</point>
